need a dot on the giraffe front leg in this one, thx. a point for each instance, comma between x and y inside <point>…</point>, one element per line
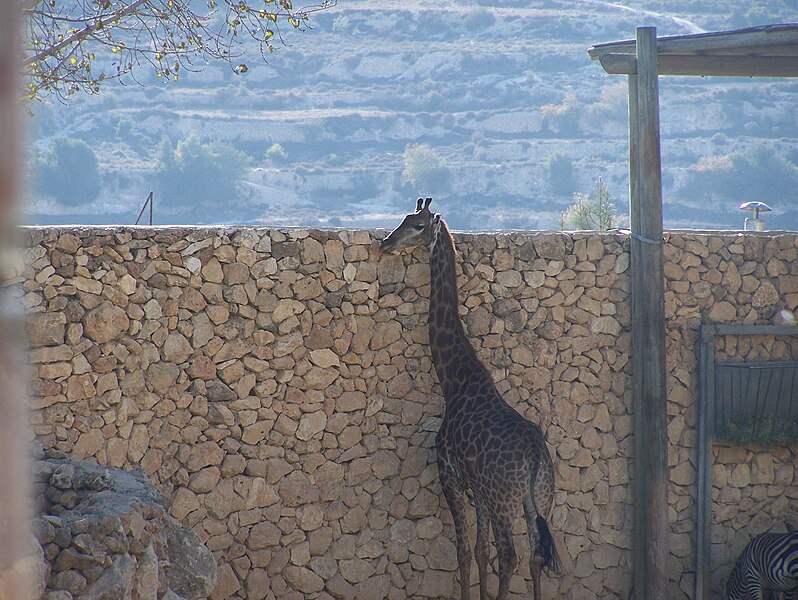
<point>457,506</point>
<point>481,550</point>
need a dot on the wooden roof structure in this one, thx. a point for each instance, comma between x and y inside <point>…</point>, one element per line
<point>765,51</point>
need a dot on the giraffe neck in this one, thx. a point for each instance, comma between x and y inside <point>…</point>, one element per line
<point>452,353</point>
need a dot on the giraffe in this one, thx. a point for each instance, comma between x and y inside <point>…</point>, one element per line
<point>486,450</point>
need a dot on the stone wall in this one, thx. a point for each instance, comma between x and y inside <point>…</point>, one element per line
<point>731,278</point>
<point>277,386</point>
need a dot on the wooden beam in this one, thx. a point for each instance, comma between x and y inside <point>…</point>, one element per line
<point>651,475</point>
<point>736,41</point>
<point>707,65</point>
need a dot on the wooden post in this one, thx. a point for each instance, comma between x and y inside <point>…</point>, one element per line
<point>650,538</point>
<point>14,499</point>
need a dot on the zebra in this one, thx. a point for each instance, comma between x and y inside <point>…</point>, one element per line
<point>769,562</point>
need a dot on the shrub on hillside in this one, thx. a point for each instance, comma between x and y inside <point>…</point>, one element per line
<point>563,118</point>
<point>753,174</point>
<point>561,174</point>
<point>194,171</point>
<point>425,169</point>
<point>276,154</point>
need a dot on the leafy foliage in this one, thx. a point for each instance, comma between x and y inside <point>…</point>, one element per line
<point>68,172</point>
<point>74,46</point>
<point>424,168</point>
<point>194,172</point>
<point>594,213</point>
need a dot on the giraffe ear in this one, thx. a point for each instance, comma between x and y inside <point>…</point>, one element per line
<point>436,218</point>
<point>419,202</point>
<point>427,202</point>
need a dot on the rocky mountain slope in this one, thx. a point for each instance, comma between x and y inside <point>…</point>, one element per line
<point>497,89</point>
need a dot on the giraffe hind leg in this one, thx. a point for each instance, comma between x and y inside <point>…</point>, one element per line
<point>505,548</point>
<point>481,549</point>
<point>536,559</point>
<point>542,551</point>
<point>457,506</point>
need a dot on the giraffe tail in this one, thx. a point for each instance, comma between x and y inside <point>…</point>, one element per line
<point>551,559</point>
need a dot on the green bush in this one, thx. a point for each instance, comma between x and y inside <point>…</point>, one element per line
<point>69,172</point>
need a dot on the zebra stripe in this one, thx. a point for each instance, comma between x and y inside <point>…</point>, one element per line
<point>769,562</point>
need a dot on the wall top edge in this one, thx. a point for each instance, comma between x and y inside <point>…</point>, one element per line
<point>375,231</point>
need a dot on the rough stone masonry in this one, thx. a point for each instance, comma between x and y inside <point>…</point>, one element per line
<point>276,386</point>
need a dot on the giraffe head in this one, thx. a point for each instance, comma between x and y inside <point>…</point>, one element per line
<point>416,228</point>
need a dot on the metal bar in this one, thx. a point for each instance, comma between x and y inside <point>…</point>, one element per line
<point>750,329</point>
<point>144,207</point>
<point>704,490</point>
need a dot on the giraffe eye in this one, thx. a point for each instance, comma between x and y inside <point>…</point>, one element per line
<point>420,226</point>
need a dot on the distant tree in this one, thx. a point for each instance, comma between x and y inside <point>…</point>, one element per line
<point>753,174</point>
<point>595,213</point>
<point>76,45</point>
<point>424,168</point>
<point>561,173</point>
<point>478,19</point>
<point>68,172</point>
<point>759,12</point>
<point>194,171</point>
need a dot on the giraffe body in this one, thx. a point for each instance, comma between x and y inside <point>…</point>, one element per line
<point>485,448</point>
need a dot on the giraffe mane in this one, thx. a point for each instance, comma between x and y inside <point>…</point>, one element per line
<point>446,237</point>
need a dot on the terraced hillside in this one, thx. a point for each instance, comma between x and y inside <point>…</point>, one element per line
<point>502,92</point>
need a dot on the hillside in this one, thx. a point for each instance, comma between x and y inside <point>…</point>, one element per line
<point>496,89</point>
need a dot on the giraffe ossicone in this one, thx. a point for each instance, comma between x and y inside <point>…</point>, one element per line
<point>485,447</point>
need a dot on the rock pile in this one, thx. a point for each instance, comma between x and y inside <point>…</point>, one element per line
<point>105,534</point>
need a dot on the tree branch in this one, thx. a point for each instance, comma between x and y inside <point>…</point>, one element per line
<point>81,35</point>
